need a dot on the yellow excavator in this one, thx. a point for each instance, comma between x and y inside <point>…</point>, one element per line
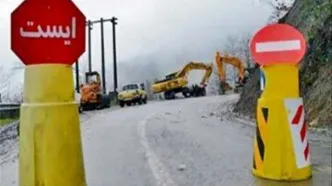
<point>177,82</point>
<point>226,59</point>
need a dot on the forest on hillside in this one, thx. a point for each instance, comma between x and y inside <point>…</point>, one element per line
<point>314,20</point>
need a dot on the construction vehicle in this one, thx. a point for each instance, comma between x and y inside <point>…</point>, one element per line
<point>132,94</point>
<point>92,96</point>
<point>177,82</point>
<point>226,59</point>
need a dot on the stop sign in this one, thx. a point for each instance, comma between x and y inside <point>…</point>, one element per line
<point>49,31</point>
<point>278,44</point>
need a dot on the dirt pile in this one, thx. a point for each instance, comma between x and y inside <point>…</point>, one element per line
<point>314,20</point>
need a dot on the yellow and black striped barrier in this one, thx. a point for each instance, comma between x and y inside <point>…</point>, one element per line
<point>281,149</point>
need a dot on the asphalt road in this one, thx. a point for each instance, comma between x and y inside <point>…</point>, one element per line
<point>188,142</point>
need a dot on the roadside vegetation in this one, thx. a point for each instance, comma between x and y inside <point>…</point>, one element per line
<point>4,122</point>
<point>314,20</point>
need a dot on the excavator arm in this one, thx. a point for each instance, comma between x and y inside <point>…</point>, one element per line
<point>229,60</point>
<point>220,60</point>
<point>220,67</point>
<point>177,82</point>
<point>196,66</point>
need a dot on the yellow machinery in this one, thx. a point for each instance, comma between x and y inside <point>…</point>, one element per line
<point>177,82</point>
<point>91,93</point>
<point>220,61</point>
<point>132,94</point>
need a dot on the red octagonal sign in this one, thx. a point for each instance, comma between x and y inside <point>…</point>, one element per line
<point>278,44</point>
<point>48,31</point>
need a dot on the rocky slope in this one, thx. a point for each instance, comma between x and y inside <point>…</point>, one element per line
<point>314,20</point>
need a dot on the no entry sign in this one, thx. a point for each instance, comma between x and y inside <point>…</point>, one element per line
<point>49,31</point>
<point>278,44</point>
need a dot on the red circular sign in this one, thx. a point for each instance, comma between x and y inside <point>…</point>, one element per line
<point>45,32</point>
<point>278,44</point>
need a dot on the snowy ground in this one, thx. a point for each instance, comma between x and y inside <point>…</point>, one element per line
<point>186,142</point>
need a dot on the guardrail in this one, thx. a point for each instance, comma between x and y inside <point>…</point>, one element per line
<point>8,110</point>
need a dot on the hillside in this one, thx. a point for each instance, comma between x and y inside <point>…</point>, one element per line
<point>314,20</point>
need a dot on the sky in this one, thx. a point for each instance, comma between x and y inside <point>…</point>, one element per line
<point>154,37</point>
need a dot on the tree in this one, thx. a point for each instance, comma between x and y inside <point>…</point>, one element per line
<point>237,46</point>
<point>16,83</point>
<point>280,8</point>
<point>2,77</point>
<point>244,50</point>
<point>4,85</point>
<point>148,90</point>
<point>2,74</point>
<point>11,84</point>
<point>214,83</point>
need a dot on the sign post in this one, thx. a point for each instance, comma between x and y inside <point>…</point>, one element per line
<point>49,36</point>
<point>281,149</point>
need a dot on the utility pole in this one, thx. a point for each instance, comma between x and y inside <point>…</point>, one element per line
<point>113,20</point>
<point>77,72</point>
<point>89,24</point>
<point>103,55</point>
<point>102,21</point>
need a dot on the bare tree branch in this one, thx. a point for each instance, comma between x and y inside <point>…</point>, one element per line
<point>281,7</point>
<point>214,83</point>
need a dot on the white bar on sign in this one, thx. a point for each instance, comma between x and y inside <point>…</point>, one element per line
<point>277,46</point>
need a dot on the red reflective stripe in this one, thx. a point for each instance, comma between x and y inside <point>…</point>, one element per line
<point>306,152</point>
<point>298,114</point>
<point>303,131</point>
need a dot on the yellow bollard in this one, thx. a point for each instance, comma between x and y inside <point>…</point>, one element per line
<point>50,138</point>
<point>281,149</point>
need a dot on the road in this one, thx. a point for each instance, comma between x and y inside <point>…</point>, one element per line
<point>186,142</point>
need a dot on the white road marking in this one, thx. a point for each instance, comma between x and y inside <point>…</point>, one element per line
<point>157,168</point>
<point>277,46</point>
